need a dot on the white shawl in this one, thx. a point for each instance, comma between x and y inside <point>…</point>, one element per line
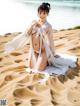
<point>22,39</point>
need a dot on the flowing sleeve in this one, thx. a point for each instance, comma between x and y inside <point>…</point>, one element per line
<point>51,41</point>
<point>20,40</point>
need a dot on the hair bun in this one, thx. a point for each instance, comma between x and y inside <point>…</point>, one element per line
<point>44,7</point>
<point>46,4</point>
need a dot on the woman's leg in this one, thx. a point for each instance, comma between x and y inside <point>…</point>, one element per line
<point>30,62</point>
<point>42,62</point>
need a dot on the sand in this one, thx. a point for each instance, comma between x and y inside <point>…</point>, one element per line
<point>21,88</point>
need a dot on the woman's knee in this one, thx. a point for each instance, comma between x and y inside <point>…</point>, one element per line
<point>30,61</point>
<point>41,63</point>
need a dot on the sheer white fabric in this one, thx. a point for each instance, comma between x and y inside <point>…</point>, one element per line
<point>18,42</point>
<point>62,62</point>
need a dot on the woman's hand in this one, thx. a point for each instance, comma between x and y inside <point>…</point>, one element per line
<point>35,27</point>
<point>31,26</point>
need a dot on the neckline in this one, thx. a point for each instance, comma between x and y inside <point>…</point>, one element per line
<point>42,24</point>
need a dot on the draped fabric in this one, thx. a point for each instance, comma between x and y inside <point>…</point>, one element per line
<point>20,40</point>
<point>46,34</point>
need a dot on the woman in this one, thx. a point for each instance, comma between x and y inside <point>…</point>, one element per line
<point>42,52</point>
<point>42,61</point>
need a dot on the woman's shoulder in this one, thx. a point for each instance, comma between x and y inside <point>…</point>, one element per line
<point>48,25</point>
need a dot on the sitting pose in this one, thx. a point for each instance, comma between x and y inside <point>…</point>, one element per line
<point>40,32</point>
<point>42,61</point>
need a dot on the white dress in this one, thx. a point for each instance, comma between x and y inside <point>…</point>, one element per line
<point>57,65</point>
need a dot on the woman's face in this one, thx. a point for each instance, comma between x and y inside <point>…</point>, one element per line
<point>42,15</point>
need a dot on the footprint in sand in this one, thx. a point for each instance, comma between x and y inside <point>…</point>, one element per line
<point>30,87</point>
<point>24,93</point>
<point>15,53</point>
<point>1,66</point>
<point>54,103</point>
<point>8,78</point>
<point>17,103</point>
<point>1,59</point>
<point>35,102</point>
<point>18,60</point>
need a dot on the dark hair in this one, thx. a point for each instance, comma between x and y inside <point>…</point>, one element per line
<point>44,7</point>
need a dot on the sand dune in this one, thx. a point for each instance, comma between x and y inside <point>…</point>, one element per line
<point>21,88</point>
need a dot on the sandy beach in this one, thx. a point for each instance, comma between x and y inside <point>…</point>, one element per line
<point>21,88</point>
